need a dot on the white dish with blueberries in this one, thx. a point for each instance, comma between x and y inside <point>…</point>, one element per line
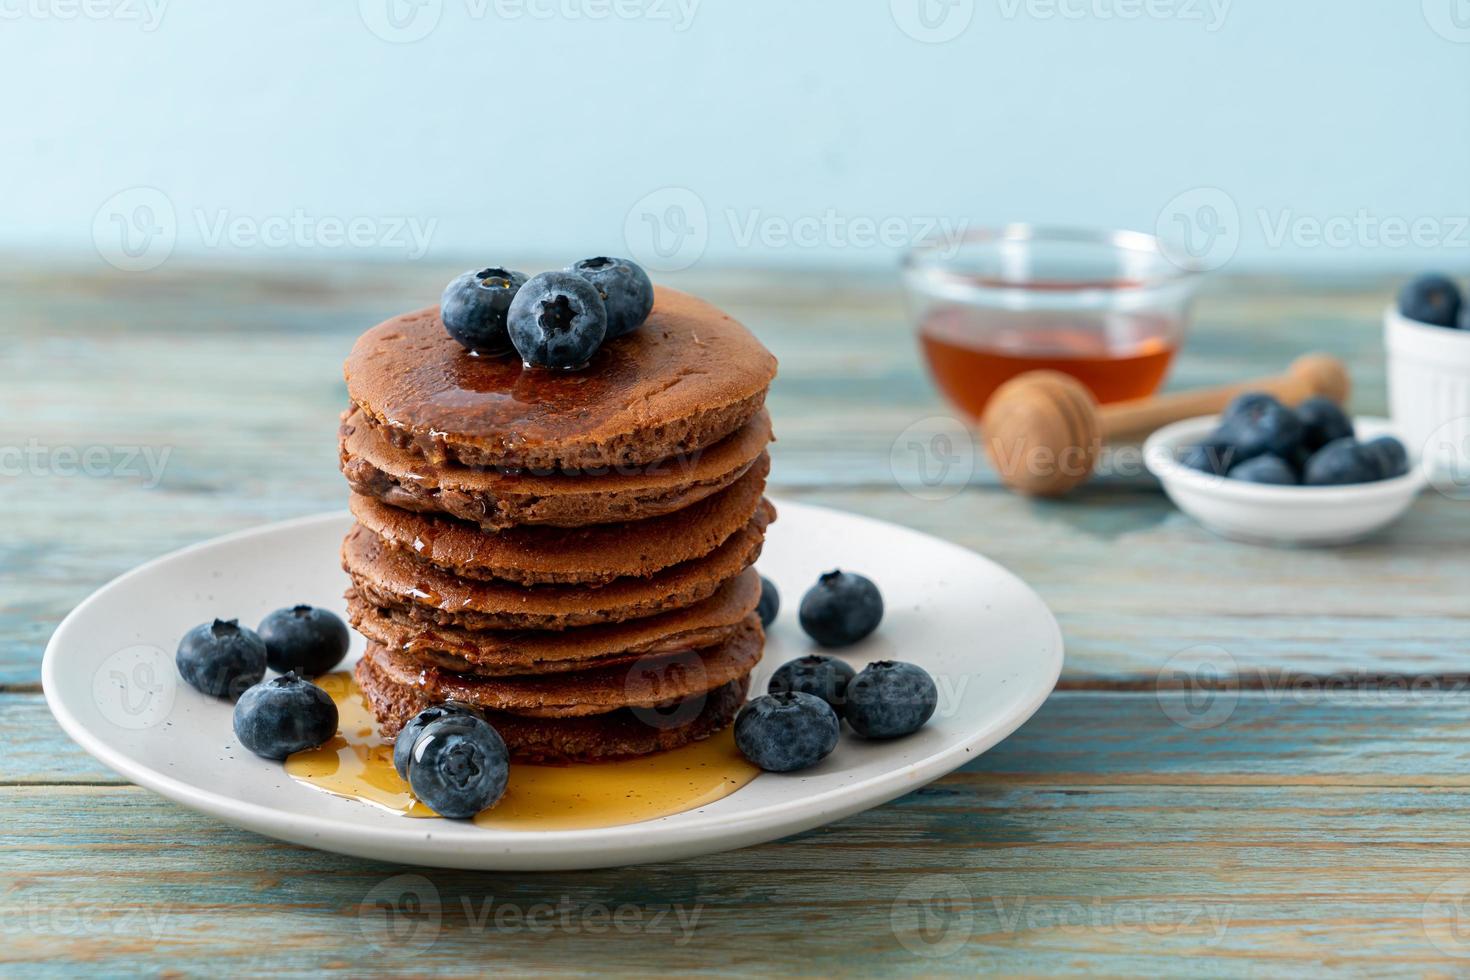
<point>1265,473</point>
<point>963,635</point>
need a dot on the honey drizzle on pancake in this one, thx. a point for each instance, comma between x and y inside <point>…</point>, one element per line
<point>357,764</point>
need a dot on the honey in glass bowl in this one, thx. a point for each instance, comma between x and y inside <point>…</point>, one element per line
<point>1107,308</point>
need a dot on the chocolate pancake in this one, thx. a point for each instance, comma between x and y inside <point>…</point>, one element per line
<point>684,380</point>
<point>495,498</point>
<point>511,652</point>
<point>619,734</point>
<point>390,577</point>
<point>645,683</point>
<point>590,555</point>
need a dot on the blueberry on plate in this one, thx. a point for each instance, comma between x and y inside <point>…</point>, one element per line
<point>1390,456</point>
<point>786,732</point>
<point>474,308</point>
<point>283,715</point>
<point>557,320</point>
<point>770,603</point>
<point>458,766</point>
<point>305,639</point>
<point>826,677</point>
<point>841,609</point>
<point>1432,299</point>
<point>1213,455</point>
<point>1323,421</point>
<point>889,698</point>
<point>221,658</point>
<point>1265,469</point>
<point>403,744</point>
<point>1341,462</point>
<point>625,289</point>
<point>1257,424</point>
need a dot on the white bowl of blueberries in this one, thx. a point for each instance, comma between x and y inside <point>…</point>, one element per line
<point>1268,474</point>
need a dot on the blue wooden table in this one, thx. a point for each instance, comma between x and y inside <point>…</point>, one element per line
<point>1307,811</point>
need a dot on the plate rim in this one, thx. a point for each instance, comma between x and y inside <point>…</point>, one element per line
<point>695,835</point>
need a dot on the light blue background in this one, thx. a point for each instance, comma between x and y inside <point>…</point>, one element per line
<point>505,130</point>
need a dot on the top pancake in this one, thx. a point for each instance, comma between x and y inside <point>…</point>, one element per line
<point>684,380</point>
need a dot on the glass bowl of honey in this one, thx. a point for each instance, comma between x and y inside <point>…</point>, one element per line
<point>1109,308</point>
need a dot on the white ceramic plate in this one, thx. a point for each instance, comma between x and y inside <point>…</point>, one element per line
<point>991,644</point>
<point>1263,514</point>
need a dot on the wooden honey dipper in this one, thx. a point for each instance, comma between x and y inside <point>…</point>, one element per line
<point>1044,430</point>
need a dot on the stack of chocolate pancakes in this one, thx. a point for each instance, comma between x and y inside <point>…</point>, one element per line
<point>570,551</point>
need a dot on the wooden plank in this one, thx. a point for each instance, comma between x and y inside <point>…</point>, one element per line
<point>1299,833</point>
<point>1296,733</point>
<point>1308,880</point>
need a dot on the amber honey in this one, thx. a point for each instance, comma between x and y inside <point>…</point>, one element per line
<point>1126,357</point>
<point>358,764</point>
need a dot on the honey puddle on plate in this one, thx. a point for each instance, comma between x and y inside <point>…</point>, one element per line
<point>358,764</point>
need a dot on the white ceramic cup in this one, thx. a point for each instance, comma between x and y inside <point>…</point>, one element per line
<point>1429,391</point>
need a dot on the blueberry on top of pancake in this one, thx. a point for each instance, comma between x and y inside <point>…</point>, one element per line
<point>687,378</point>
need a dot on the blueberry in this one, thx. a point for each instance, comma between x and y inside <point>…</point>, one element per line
<point>284,715</point>
<point>1389,455</point>
<point>841,609</point>
<point>221,658</point>
<point>770,603</point>
<point>474,307</point>
<point>1257,424</point>
<point>1251,401</point>
<point>557,320</point>
<point>1265,469</point>
<point>1213,455</point>
<point>403,744</point>
<point>1432,299</point>
<point>888,699</point>
<point>1341,461</point>
<point>305,639</point>
<point>786,732</point>
<point>458,766</point>
<point>624,287</point>
<point>1323,420</point>
<point>826,677</point>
